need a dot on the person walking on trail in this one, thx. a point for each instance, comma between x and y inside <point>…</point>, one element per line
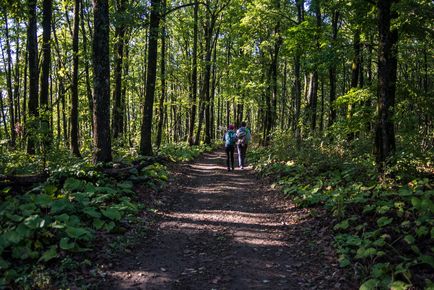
<point>243,136</point>
<point>230,139</point>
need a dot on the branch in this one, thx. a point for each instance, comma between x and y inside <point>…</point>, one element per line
<point>182,6</point>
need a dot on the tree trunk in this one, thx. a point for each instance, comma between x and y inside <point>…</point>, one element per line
<point>32,48</point>
<point>75,149</point>
<point>205,94</point>
<point>47,8</point>
<point>119,106</point>
<point>146,130</point>
<point>8,70</point>
<point>297,76</point>
<point>332,70</point>
<point>387,73</point>
<point>163,78</point>
<point>101,83</point>
<point>86,67</point>
<point>193,93</point>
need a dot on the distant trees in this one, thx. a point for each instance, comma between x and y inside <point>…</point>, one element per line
<point>183,71</point>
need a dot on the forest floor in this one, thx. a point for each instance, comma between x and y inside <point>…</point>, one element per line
<point>215,229</point>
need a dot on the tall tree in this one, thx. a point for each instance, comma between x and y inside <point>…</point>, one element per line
<point>163,77</point>
<point>47,11</point>
<point>101,83</point>
<point>119,101</point>
<point>193,92</point>
<point>75,148</point>
<point>32,48</point>
<point>8,70</point>
<point>387,73</point>
<point>146,130</point>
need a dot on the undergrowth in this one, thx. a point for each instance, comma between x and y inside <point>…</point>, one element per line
<point>51,225</point>
<point>383,224</point>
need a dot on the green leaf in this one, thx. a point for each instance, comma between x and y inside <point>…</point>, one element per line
<point>49,254</point>
<point>97,223</point>
<point>399,285</point>
<point>365,252</point>
<point>384,221</point>
<point>429,260</point>
<point>379,270</point>
<point>65,244</point>
<point>371,284</point>
<point>50,189</point>
<point>91,211</point>
<point>344,261</point>
<point>72,185</point>
<point>342,225</point>
<point>409,239</point>
<point>4,264</point>
<point>78,233</point>
<point>112,213</point>
<point>43,200</point>
<point>34,222</point>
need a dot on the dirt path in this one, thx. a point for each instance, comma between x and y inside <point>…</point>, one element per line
<point>226,230</point>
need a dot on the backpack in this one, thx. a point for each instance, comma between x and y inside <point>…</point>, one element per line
<point>230,138</point>
<point>242,136</point>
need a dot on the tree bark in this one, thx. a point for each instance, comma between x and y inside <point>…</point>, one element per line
<point>119,106</point>
<point>101,83</point>
<point>332,70</point>
<point>8,69</point>
<point>75,148</point>
<point>163,78</point>
<point>193,93</point>
<point>146,130</point>
<point>32,48</point>
<point>387,74</point>
<point>47,9</point>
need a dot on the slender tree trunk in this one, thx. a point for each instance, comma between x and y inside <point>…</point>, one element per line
<point>387,74</point>
<point>101,83</point>
<point>5,124</point>
<point>193,94</point>
<point>75,148</point>
<point>118,108</point>
<point>146,130</point>
<point>332,70</point>
<point>47,8</point>
<point>32,48</point>
<point>8,69</point>
<point>86,67</point>
<point>163,77</point>
<point>297,75</point>
<point>355,73</point>
<point>207,78</point>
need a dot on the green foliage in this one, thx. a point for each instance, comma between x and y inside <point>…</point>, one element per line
<point>384,228</point>
<point>58,218</point>
<point>182,152</point>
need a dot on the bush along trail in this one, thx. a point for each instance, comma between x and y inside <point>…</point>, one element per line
<point>50,232</point>
<point>214,229</point>
<point>383,224</point>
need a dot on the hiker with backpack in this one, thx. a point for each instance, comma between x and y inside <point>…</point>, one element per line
<point>243,136</point>
<point>230,138</point>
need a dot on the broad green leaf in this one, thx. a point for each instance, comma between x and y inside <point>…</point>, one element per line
<point>409,239</point>
<point>111,213</point>
<point>4,264</point>
<point>66,244</point>
<point>78,232</point>
<point>365,252</point>
<point>97,223</point>
<point>50,189</point>
<point>49,254</point>
<point>91,211</point>
<point>343,225</point>
<point>399,285</point>
<point>43,200</point>
<point>371,284</point>
<point>384,221</point>
<point>72,185</point>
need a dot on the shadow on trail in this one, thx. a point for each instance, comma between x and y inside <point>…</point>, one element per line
<point>225,230</point>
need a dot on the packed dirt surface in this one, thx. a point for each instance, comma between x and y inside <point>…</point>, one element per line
<point>228,230</point>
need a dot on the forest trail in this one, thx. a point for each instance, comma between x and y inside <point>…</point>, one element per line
<point>229,230</point>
